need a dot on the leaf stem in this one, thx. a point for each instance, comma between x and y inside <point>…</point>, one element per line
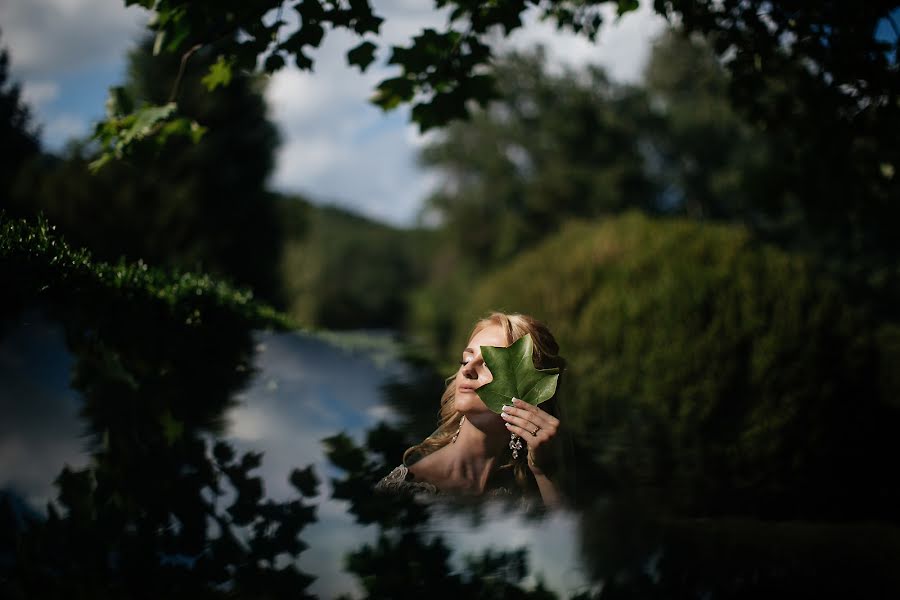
<point>181,68</point>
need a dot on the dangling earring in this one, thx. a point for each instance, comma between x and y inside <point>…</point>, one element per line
<point>515,444</point>
<point>456,435</point>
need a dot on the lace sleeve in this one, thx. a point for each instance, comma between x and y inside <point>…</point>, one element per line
<point>399,481</point>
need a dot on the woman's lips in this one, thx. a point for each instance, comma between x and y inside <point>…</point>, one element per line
<point>465,388</point>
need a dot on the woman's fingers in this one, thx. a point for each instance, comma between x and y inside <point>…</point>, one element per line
<point>529,421</point>
<point>533,414</point>
<point>531,436</point>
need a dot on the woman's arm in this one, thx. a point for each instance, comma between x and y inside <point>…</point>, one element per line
<point>538,428</point>
<point>549,492</point>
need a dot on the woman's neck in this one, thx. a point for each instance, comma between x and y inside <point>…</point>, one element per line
<point>470,460</point>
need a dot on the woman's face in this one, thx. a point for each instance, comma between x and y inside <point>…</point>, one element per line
<point>473,373</point>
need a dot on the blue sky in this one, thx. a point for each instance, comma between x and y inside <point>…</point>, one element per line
<point>336,147</point>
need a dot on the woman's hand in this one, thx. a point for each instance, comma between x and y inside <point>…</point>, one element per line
<point>537,427</point>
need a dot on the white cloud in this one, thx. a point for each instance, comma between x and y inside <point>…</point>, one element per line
<point>49,38</point>
<point>339,148</point>
<point>62,127</point>
<point>622,46</point>
<point>39,93</point>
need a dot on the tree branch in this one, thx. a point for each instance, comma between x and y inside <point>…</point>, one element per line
<point>184,58</point>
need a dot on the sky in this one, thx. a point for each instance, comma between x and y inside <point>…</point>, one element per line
<point>336,147</point>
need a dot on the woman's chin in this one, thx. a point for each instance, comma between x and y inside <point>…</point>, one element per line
<point>469,403</point>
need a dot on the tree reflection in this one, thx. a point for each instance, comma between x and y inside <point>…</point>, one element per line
<point>408,560</point>
<point>165,507</point>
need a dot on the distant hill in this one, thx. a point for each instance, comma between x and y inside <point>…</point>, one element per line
<point>344,271</point>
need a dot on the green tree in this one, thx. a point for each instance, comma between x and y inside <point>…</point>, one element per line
<point>551,147</point>
<point>821,78</point>
<point>712,162</point>
<point>18,134</point>
<point>199,206</point>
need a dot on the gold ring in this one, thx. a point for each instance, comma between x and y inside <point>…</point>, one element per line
<point>534,433</point>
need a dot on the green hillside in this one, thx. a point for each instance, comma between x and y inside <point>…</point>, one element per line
<point>344,271</point>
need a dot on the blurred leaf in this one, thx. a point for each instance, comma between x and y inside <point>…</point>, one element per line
<point>219,74</point>
<point>274,62</point>
<point>118,135</point>
<point>393,92</point>
<point>158,42</point>
<point>362,55</point>
<point>223,452</point>
<point>305,481</point>
<point>173,429</point>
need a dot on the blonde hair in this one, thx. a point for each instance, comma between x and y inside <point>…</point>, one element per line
<point>545,355</point>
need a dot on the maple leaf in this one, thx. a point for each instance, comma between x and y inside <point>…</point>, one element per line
<point>515,376</point>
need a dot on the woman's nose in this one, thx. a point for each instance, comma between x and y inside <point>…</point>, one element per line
<point>469,369</point>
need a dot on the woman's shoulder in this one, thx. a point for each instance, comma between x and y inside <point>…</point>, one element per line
<point>402,480</point>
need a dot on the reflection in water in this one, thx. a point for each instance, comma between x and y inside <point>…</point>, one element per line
<point>302,390</point>
<point>161,495</point>
<point>40,429</point>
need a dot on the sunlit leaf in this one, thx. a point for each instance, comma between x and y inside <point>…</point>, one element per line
<point>145,119</point>
<point>219,74</point>
<point>172,428</point>
<point>515,376</point>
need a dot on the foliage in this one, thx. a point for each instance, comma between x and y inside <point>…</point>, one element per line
<point>821,79</point>
<point>551,147</point>
<point>197,206</point>
<point>843,67</point>
<point>704,364</point>
<point>514,376</point>
<point>121,131</point>
<point>712,163</point>
<point>39,266</point>
<point>440,71</point>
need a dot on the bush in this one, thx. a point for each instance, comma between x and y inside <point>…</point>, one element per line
<point>726,373</point>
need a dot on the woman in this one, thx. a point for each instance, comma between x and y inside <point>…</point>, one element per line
<point>475,451</point>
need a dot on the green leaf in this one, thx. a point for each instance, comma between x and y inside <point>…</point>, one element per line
<point>393,92</point>
<point>173,429</point>
<point>515,376</point>
<point>362,55</point>
<point>159,41</point>
<point>145,119</point>
<point>219,74</point>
